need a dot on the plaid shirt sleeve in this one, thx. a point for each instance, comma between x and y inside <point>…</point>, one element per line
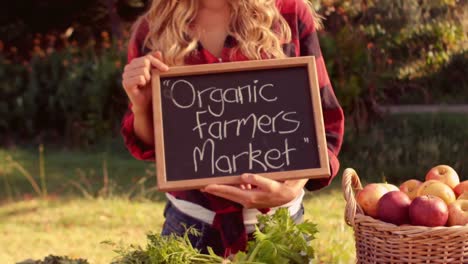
<point>136,147</point>
<point>332,111</point>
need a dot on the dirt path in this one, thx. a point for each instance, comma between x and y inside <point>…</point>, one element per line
<point>400,109</point>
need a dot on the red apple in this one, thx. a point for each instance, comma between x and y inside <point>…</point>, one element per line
<point>369,196</point>
<point>410,187</point>
<point>393,208</point>
<point>428,210</point>
<point>445,174</point>
<point>461,188</point>
<point>458,213</point>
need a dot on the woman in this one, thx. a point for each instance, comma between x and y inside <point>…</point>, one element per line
<point>187,32</point>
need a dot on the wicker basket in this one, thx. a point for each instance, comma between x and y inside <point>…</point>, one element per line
<point>380,242</point>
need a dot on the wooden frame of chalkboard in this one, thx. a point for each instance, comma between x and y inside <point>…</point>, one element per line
<point>302,67</point>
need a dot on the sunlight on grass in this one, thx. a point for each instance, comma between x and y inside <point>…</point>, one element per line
<point>34,229</point>
<point>335,241</point>
<point>75,228</point>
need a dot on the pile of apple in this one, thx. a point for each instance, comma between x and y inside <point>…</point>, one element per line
<point>441,200</point>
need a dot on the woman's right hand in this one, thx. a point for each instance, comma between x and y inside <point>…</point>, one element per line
<point>136,77</point>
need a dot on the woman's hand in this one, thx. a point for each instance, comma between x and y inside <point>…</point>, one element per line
<point>258,192</point>
<point>137,75</point>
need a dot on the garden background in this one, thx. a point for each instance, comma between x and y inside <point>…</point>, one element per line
<point>67,183</point>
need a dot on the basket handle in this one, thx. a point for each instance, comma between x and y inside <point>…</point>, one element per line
<point>351,185</point>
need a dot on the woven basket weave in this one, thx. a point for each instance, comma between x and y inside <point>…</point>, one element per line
<point>380,242</point>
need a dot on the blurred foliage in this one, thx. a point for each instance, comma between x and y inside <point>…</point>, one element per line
<point>60,77</point>
<point>72,95</point>
<point>81,21</point>
<point>385,51</point>
<point>406,146</point>
<point>23,19</point>
<point>52,259</point>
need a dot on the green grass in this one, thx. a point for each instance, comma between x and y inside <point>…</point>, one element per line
<point>395,149</point>
<point>76,228</point>
<point>72,172</point>
<point>335,241</point>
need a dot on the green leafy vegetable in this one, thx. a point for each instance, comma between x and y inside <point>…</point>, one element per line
<point>170,249</point>
<point>277,240</point>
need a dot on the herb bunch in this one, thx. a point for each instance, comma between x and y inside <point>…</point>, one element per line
<point>277,240</point>
<point>170,249</point>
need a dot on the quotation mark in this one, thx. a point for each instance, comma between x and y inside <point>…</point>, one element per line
<point>166,82</point>
<point>306,140</point>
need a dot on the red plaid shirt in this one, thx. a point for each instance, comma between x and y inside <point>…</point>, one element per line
<point>304,42</point>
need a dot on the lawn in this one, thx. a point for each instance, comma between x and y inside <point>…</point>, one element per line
<point>76,228</point>
<point>104,194</point>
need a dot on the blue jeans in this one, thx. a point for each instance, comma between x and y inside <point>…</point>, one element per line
<point>176,223</point>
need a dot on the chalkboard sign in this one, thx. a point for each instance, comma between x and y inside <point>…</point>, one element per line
<point>214,122</point>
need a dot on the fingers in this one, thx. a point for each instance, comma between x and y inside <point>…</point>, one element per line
<point>261,182</point>
<point>133,82</point>
<point>246,186</point>
<point>143,64</point>
<point>157,63</point>
<point>137,73</point>
<point>258,192</point>
<point>300,183</point>
<point>158,55</point>
<point>154,60</point>
<point>143,71</point>
<point>229,192</point>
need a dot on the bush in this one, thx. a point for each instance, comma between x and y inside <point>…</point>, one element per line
<point>380,51</point>
<point>377,51</point>
<point>73,94</point>
<point>406,146</point>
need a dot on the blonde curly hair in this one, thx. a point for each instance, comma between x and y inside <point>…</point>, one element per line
<point>257,25</point>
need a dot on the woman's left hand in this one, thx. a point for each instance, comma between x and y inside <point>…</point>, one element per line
<point>258,191</point>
